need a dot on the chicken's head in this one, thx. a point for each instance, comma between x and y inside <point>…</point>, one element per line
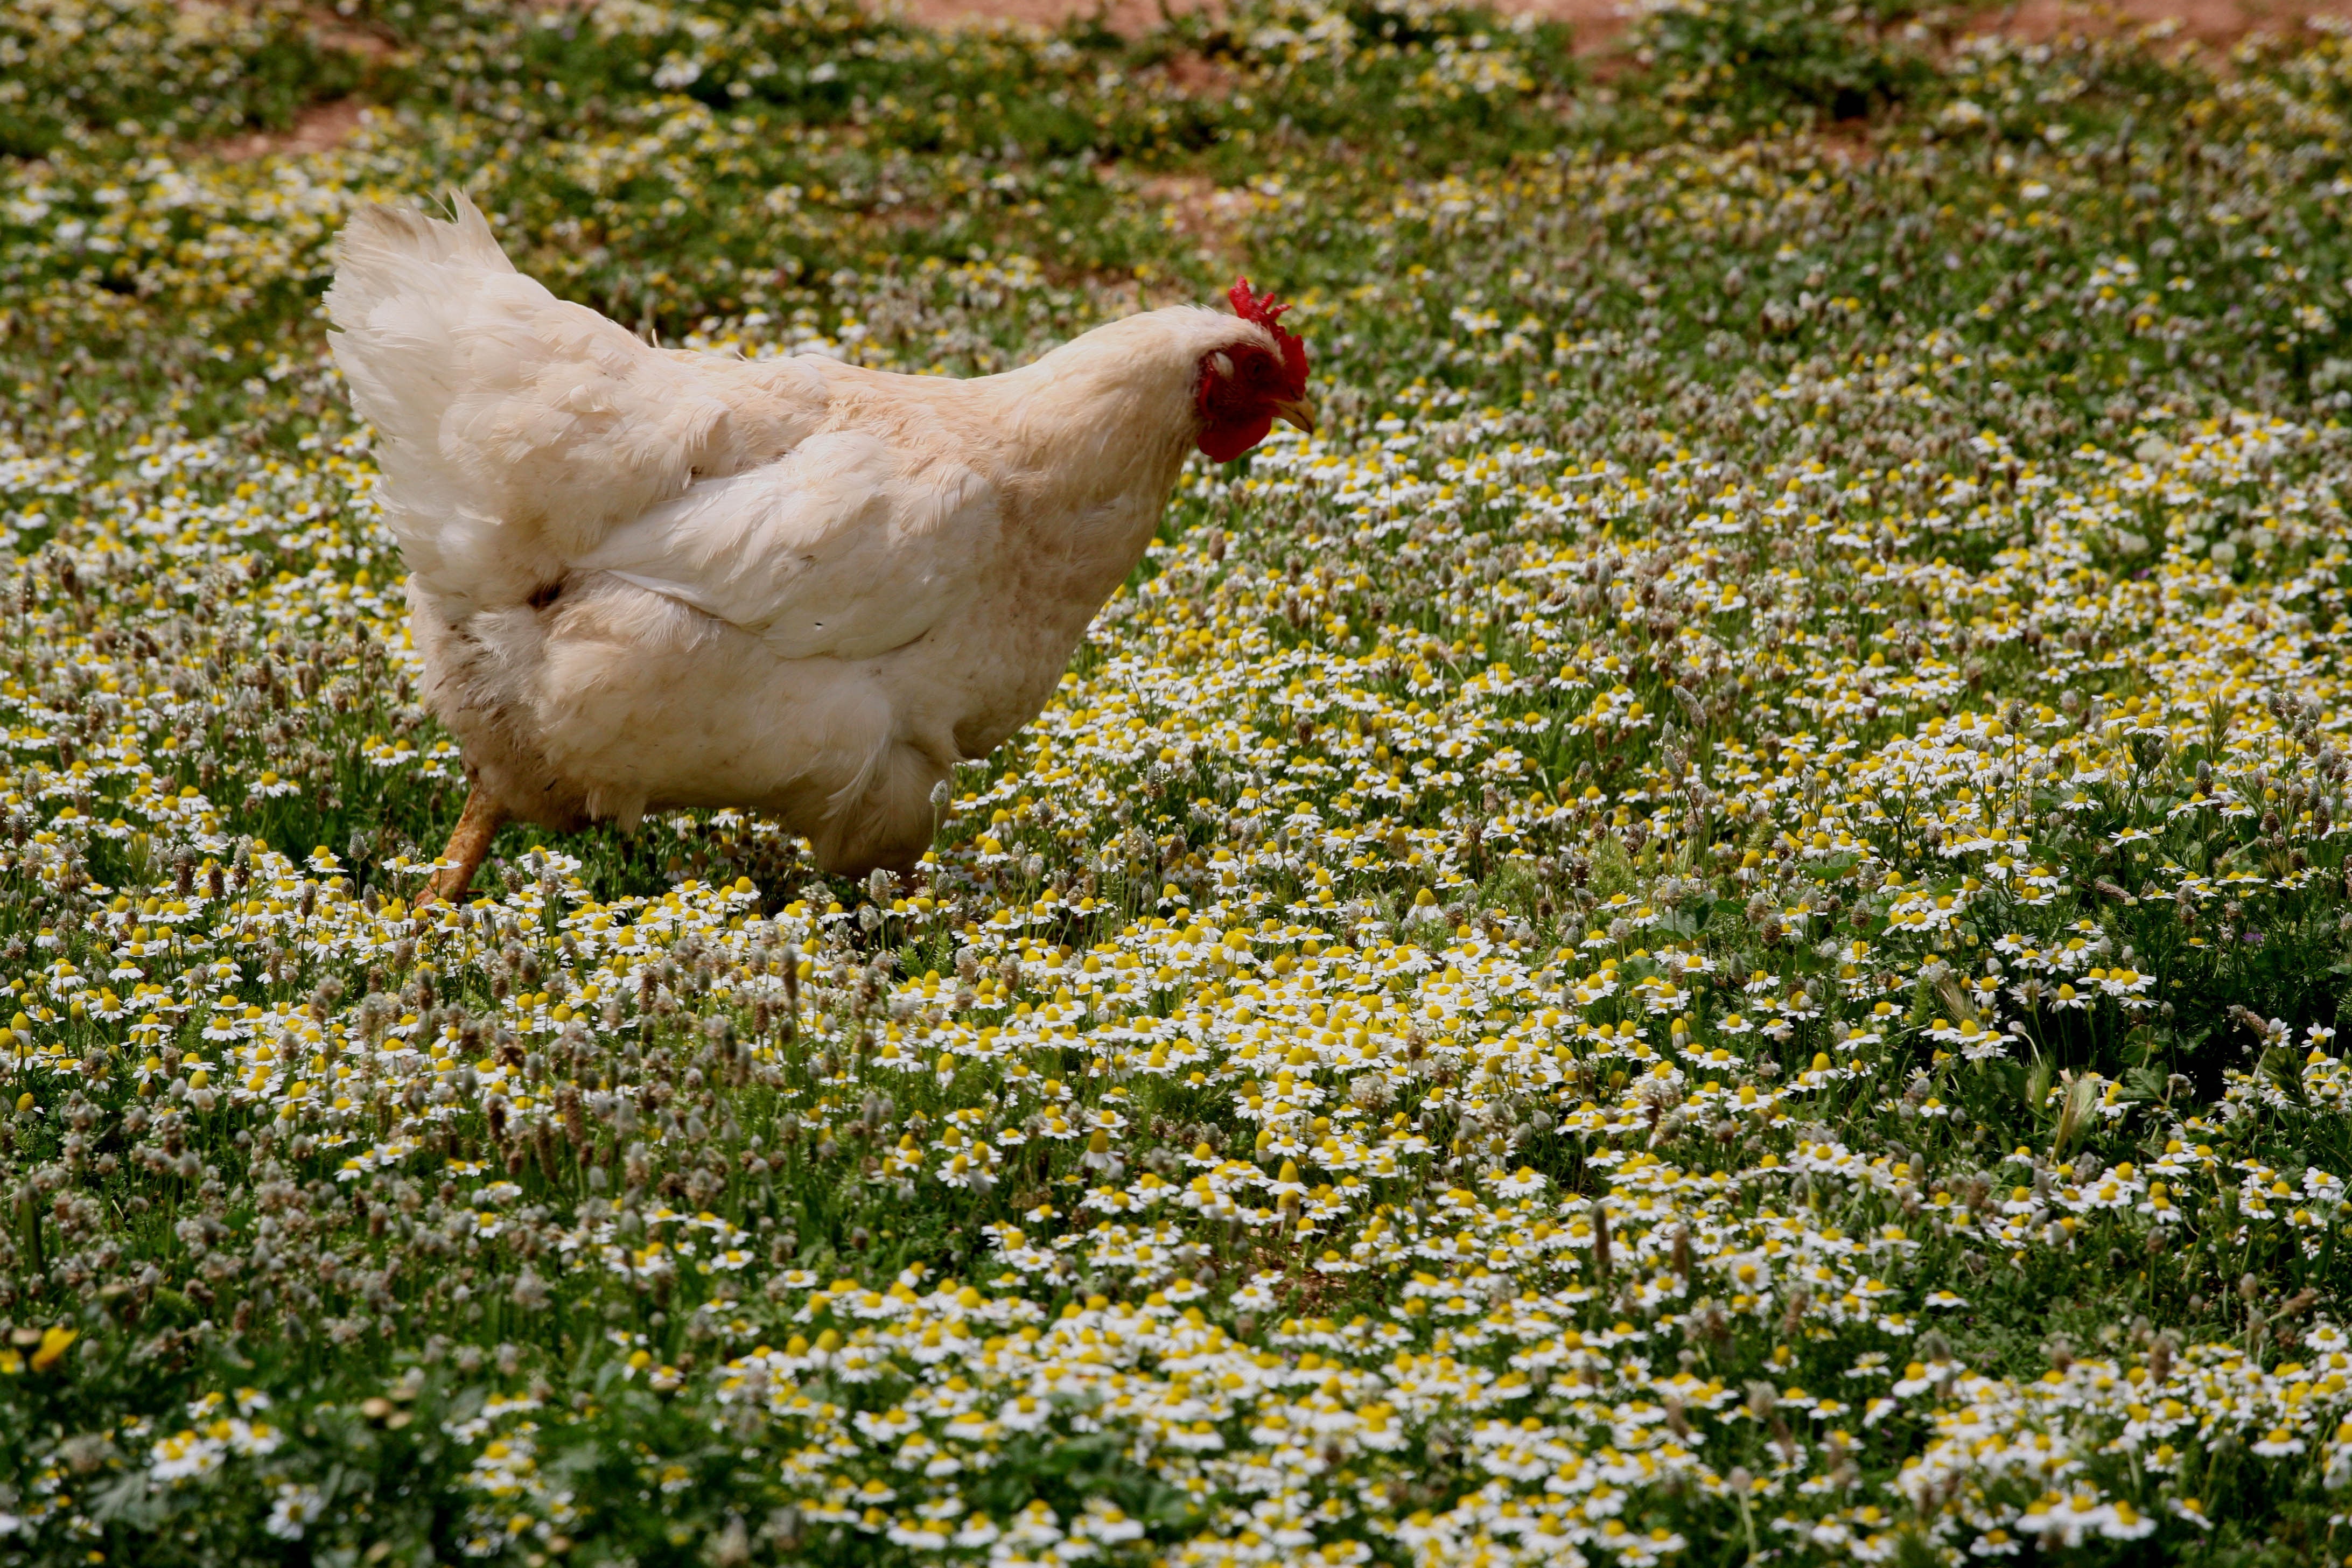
<point>1246,386</point>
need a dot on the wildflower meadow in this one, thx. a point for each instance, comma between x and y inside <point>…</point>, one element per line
<point>1711,929</point>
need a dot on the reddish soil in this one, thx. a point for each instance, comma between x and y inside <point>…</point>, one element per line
<point>332,32</point>
<point>315,130</point>
<point>2203,21</point>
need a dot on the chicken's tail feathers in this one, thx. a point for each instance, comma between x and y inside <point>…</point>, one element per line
<point>514,427</point>
<point>405,289</point>
<point>410,289</point>
<point>384,244</point>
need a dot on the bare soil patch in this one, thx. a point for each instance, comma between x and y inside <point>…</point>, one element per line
<point>2210,22</point>
<point>330,31</point>
<point>315,130</point>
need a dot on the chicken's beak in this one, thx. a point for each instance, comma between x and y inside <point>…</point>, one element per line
<point>1296,412</point>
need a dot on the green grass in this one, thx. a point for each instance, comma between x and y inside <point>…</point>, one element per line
<point>1940,440</point>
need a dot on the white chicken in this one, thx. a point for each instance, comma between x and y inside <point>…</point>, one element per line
<point>642,578</point>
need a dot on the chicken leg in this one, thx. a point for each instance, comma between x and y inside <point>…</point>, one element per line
<point>469,845</point>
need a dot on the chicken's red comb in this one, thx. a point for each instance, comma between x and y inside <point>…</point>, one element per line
<point>1261,309</point>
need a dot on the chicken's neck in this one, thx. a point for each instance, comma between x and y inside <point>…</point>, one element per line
<point>1089,465</point>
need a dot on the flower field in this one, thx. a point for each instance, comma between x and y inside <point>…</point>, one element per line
<point>1709,929</point>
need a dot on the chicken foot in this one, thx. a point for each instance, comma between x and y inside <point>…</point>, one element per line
<point>469,846</point>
